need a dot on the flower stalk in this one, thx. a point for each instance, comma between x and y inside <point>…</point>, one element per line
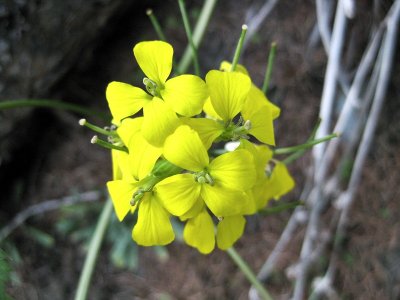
<point>268,71</point>
<point>239,48</point>
<point>189,36</point>
<point>156,24</point>
<point>244,267</point>
<point>93,251</point>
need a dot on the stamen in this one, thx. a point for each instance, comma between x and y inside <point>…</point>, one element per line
<point>108,132</point>
<point>201,179</point>
<point>95,140</point>
<point>247,125</point>
<point>204,177</point>
<point>210,180</point>
<point>151,86</point>
<point>137,196</point>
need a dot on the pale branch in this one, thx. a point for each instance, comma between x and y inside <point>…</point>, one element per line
<point>329,89</point>
<point>46,206</point>
<point>347,198</point>
<point>352,101</point>
<point>254,21</point>
<point>324,11</point>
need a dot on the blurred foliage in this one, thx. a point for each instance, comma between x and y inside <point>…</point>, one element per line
<point>76,223</point>
<point>5,273</point>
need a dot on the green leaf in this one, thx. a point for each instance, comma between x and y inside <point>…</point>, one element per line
<point>41,237</point>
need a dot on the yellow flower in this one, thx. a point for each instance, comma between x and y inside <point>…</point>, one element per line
<point>255,93</point>
<point>228,92</point>
<point>278,184</point>
<point>184,94</point>
<point>133,188</point>
<point>261,156</point>
<point>221,183</point>
<point>200,232</point>
<point>257,110</point>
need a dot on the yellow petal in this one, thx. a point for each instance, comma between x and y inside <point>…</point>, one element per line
<point>256,98</point>
<point>178,193</point>
<point>121,193</point>
<point>210,111</point>
<point>279,184</point>
<point>229,230</point>
<point>128,128</point>
<point>226,66</point>
<point>125,100</point>
<point>142,155</point>
<point>153,226</point>
<point>223,201</point>
<point>194,211</point>
<point>251,204</point>
<point>159,122</point>
<point>261,154</point>
<point>199,233</point>
<point>260,115</point>
<point>207,129</point>
<point>262,126</point>
<point>228,91</point>
<point>116,170</point>
<point>186,94</point>
<point>234,170</point>
<point>255,93</point>
<point>185,149</point>
<point>121,166</point>
<point>155,60</point>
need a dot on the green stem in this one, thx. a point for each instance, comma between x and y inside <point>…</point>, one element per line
<point>304,146</point>
<point>248,273</point>
<point>189,36</point>
<point>279,208</point>
<point>268,71</point>
<point>291,158</point>
<point>18,103</point>
<point>198,34</point>
<point>96,140</point>
<point>156,25</point>
<point>93,251</point>
<point>239,47</point>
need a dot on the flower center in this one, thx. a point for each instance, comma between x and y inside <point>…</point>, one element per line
<point>235,132</point>
<point>151,87</point>
<point>204,177</point>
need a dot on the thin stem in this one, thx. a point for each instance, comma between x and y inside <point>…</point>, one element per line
<point>189,36</point>
<point>248,273</point>
<point>156,24</point>
<point>268,71</point>
<point>198,34</point>
<point>239,48</point>
<point>93,251</point>
<point>291,158</point>
<point>306,145</point>
<point>18,103</point>
<point>279,208</point>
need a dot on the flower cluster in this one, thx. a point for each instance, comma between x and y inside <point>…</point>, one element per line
<point>169,163</point>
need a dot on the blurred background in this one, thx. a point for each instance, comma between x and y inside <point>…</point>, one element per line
<point>70,50</point>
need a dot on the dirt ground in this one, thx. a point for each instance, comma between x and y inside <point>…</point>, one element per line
<point>67,164</point>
